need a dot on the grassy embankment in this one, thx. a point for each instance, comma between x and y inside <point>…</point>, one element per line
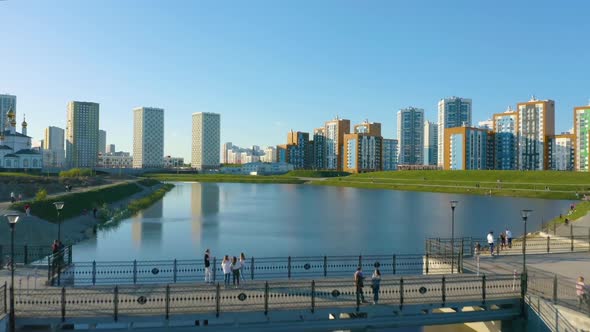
<point>224,178</point>
<point>532,184</point>
<point>76,203</point>
<point>316,174</point>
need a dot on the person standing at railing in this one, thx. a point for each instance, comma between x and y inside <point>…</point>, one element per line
<point>502,241</point>
<point>226,267</point>
<point>491,242</point>
<point>509,237</point>
<point>376,284</point>
<point>235,269</point>
<point>582,292</point>
<point>476,252</point>
<point>359,284</point>
<point>207,261</point>
<point>242,264</point>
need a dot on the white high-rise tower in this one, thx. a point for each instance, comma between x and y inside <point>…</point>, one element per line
<point>148,137</point>
<point>206,140</point>
<point>452,112</point>
<point>82,134</point>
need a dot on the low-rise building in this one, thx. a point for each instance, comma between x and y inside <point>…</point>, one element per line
<point>259,168</point>
<point>115,160</point>
<point>173,162</point>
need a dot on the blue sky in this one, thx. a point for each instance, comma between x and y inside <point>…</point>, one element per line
<point>272,66</point>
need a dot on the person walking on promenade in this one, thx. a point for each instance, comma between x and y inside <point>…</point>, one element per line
<point>207,261</point>
<point>502,241</point>
<point>226,267</point>
<point>12,198</point>
<point>242,264</point>
<point>491,242</point>
<point>27,209</point>
<point>235,269</point>
<point>359,284</point>
<point>476,252</point>
<point>582,292</point>
<point>509,237</point>
<point>376,284</point>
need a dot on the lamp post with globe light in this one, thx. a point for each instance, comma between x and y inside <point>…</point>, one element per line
<point>58,207</point>
<point>12,220</point>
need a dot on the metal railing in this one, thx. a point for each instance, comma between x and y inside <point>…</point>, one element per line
<point>162,301</point>
<point>175,271</point>
<point>57,264</point>
<point>24,254</point>
<point>534,244</point>
<point>549,314</point>
<point>4,298</point>
<point>556,289</point>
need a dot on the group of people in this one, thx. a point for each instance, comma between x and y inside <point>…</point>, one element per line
<point>359,283</point>
<point>505,242</point>
<point>230,267</point>
<point>14,198</point>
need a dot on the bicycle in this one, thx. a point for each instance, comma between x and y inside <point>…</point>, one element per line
<point>9,263</point>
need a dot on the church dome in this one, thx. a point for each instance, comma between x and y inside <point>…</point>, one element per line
<point>11,114</point>
<point>24,124</point>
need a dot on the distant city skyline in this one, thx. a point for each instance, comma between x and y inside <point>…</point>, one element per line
<point>302,64</point>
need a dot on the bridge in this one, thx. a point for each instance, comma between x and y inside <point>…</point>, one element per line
<point>298,293</point>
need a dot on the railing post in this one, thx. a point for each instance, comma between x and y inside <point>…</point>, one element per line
<point>289,267</point>
<point>116,303</point>
<point>49,278</point>
<point>167,302</point>
<point>393,264</point>
<point>217,300</point>
<point>325,266</point>
<point>427,263</point>
<point>360,261</point>
<point>266,298</point>
<point>93,273</point>
<point>26,255</point>
<point>63,304</point>
<point>214,268</point>
<point>483,288</point>
<point>252,268</point>
<point>444,291</point>
<point>135,271</point>
<point>1,258</point>
<point>312,296</point>
<point>548,243</point>
<point>5,296</point>
<point>175,270</point>
<point>555,289</point>
<point>401,293</point>
<point>70,255</point>
<point>572,236</point>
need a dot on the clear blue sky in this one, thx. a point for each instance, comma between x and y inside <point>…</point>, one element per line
<point>271,66</point>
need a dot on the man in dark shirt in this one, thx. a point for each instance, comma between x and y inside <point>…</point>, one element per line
<point>207,258</point>
<point>359,283</point>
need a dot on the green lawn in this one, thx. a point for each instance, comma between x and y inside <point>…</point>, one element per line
<point>76,203</point>
<point>533,184</point>
<point>316,174</point>
<point>223,178</point>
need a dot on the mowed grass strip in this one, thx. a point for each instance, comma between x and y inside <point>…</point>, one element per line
<point>76,203</point>
<point>224,178</point>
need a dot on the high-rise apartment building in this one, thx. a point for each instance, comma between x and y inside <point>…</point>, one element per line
<point>467,148</point>
<point>363,149</point>
<point>102,141</point>
<point>226,150</point>
<point>390,154</point>
<point>7,102</point>
<point>506,135</point>
<point>561,152</point>
<point>319,148</point>
<point>452,112</point>
<point>300,150</point>
<point>430,143</point>
<point>270,155</point>
<point>53,147</point>
<point>148,137</point>
<point>536,123</point>
<point>373,128</point>
<point>82,134</point>
<point>410,135</point>
<point>334,131</point>
<point>582,138</point>
<point>206,140</point>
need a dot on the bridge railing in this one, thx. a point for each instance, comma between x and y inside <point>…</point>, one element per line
<point>4,298</point>
<point>162,301</point>
<point>23,254</point>
<point>558,290</point>
<point>534,244</point>
<point>176,271</point>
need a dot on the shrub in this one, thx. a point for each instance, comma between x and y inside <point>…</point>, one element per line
<point>41,195</point>
<point>75,173</point>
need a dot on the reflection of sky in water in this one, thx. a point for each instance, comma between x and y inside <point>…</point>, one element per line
<point>282,220</point>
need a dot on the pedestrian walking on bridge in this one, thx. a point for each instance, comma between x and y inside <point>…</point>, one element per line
<point>582,293</point>
<point>376,284</point>
<point>491,242</point>
<point>207,260</point>
<point>359,284</point>
<point>509,238</point>
<point>226,267</point>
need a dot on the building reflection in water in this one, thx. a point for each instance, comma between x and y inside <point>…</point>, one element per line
<point>146,227</point>
<point>204,207</point>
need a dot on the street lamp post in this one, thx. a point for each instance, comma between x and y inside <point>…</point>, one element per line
<point>12,220</point>
<point>453,206</point>
<point>525,215</point>
<point>58,207</point>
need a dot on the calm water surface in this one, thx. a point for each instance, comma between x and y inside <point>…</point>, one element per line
<point>281,220</point>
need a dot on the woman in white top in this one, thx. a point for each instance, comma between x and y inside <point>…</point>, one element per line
<point>242,264</point>
<point>226,267</point>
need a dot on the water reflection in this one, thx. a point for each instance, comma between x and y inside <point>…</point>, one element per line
<point>146,228</point>
<point>204,208</point>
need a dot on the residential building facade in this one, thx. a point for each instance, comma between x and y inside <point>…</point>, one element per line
<point>319,148</point>
<point>115,160</point>
<point>173,162</point>
<point>562,152</point>
<point>300,150</point>
<point>54,152</point>
<point>506,129</point>
<point>582,138</point>
<point>148,137</point>
<point>466,148</point>
<point>82,134</point>
<point>363,152</point>
<point>452,112</point>
<point>206,140</point>
<point>102,141</point>
<point>430,143</point>
<point>390,154</point>
<point>536,123</point>
<point>334,131</point>
<point>410,135</point>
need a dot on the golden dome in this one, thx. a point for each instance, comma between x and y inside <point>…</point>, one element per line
<point>24,124</point>
<point>13,122</point>
<point>11,114</point>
